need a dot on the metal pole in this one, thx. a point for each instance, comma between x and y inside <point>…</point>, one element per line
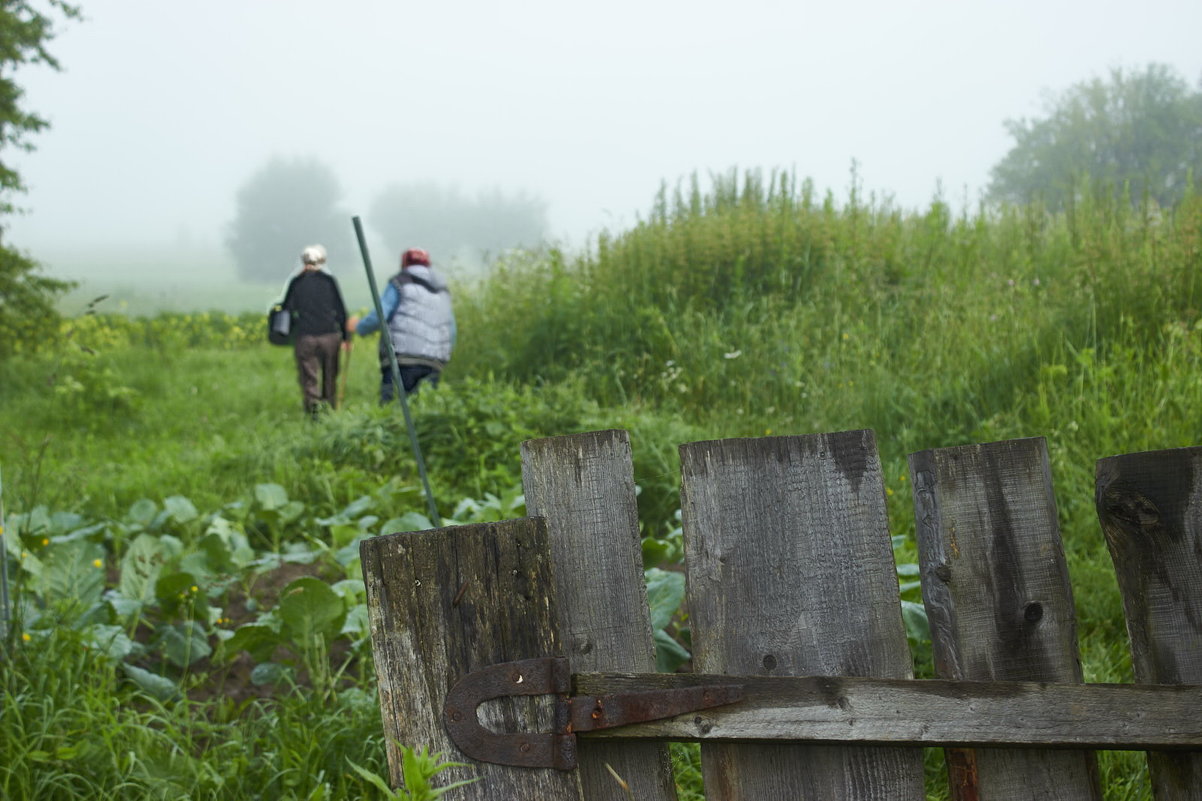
<point>4,614</point>
<point>397,386</point>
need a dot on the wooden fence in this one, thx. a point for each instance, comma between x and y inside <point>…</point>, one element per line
<point>790,573</point>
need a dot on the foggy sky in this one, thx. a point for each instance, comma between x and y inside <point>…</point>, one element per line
<point>165,107</point>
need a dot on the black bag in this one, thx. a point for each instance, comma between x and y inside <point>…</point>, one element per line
<point>279,326</point>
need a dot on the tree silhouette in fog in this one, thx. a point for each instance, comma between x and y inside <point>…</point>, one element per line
<point>1138,131</point>
<point>455,227</point>
<point>285,205</point>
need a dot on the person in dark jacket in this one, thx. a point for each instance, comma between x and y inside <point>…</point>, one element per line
<point>319,324</point>
<point>420,322</point>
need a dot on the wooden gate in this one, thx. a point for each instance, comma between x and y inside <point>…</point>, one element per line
<point>790,573</point>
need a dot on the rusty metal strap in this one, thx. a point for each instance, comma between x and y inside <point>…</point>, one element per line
<point>552,676</point>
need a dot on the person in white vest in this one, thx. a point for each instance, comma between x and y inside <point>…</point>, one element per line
<point>420,323</point>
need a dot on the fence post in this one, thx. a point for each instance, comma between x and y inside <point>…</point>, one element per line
<point>996,588</point>
<point>583,485</point>
<point>1150,507</point>
<point>791,572</point>
<point>446,602</point>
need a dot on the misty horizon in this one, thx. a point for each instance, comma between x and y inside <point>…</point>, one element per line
<point>163,111</point>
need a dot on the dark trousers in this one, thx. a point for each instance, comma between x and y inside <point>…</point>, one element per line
<point>318,353</point>
<point>411,374</point>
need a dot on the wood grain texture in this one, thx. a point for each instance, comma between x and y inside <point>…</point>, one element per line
<point>791,572</point>
<point>927,713</point>
<point>583,485</point>
<point>997,593</point>
<point>446,602</point>
<point>1150,507</point>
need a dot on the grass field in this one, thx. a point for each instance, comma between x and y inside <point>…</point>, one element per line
<point>745,308</point>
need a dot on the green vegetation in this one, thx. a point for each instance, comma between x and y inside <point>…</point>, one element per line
<point>181,540</point>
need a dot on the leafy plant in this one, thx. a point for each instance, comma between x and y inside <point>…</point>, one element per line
<point>418,768</point>
<point>665,593</point>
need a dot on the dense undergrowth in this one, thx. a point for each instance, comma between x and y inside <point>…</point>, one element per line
<point>751,307</point>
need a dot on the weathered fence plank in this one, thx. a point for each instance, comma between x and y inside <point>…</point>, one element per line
<point>446,602</point>
<point>929,712</point>
<point>584,486</point>
<point>790,572</point>
<point>997,593</point>
<point>1150,507</point>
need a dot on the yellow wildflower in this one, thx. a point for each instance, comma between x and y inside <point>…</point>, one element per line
<point>97,563</point>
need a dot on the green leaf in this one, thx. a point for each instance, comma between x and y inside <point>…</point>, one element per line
<point>124,608</point>
<point>112,641</point>
<point>270,496</point>
<point>410,521</point>
<point>217,554</point>
<point>236,543</point>
<point>142,512</point>
<point>343,533</point>
<point>918,627</point>
<point>36,524</point>
<point>349,589</point>
<point>357,624</point>
<point>179,593</point>
<point>665,593</point>
<point>309,608</point>
<point>73,572</point>
<point>63,522</point>
<point>358,507</point>
<point>256,639</point>
<point>156,686</point>
<point>11,544</point>
<point>180,509</point>
<point>184,644</point>
<point>268,673</point>
<point>31,565</point>
<point>140,568</point>
<point>291,511</point>
<point>654,552</point>
<point>669,654</point>
<point>375,781</point>
<point>416,770</point>
<point>84,533</point>
<point>347,555</point>
<point>419,766</point>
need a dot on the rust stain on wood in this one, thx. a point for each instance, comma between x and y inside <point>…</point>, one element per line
<point>962,774</point>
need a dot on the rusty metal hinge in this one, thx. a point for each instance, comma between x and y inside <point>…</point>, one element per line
<point>552,676</point>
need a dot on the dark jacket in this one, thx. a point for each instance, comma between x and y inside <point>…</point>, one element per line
<point>316,304</point>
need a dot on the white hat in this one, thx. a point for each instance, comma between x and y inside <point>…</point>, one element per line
<point>313,254</point>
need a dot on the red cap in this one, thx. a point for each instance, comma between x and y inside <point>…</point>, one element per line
<point>415,256</point>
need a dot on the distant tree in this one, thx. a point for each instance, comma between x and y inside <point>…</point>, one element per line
<point>285,205</point>
<point>26,297</point>
<point>1140,129</point>
<point>452,226</point>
